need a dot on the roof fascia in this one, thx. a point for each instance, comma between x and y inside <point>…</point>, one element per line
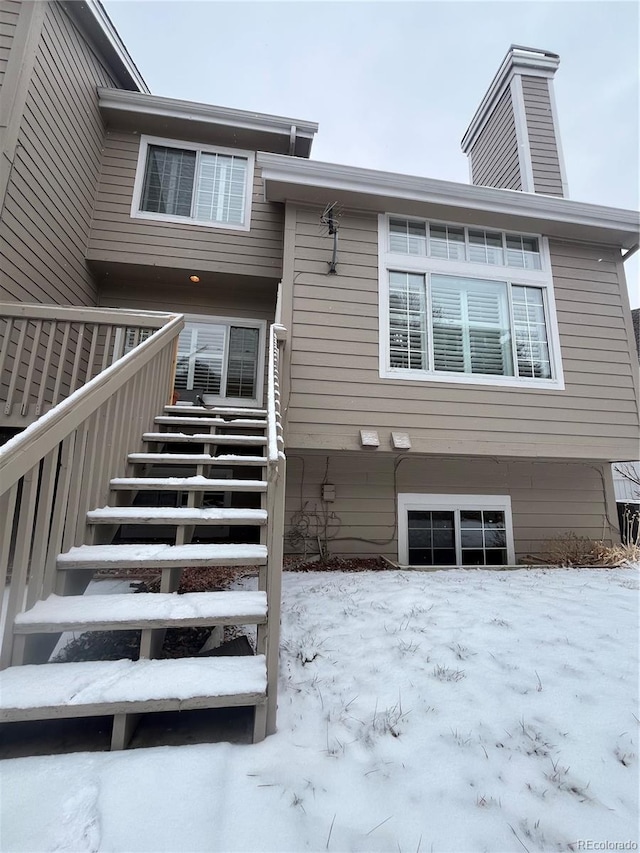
<point>146,104</point>
<point>96,23</point>
<point>278,167</point>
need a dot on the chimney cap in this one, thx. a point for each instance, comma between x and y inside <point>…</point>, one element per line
<point>519,59</point>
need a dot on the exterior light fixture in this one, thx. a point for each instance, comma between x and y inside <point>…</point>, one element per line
<point>194,278</point>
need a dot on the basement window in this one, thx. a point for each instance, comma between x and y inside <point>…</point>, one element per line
<point>186,183</point>
<point>455,530</point>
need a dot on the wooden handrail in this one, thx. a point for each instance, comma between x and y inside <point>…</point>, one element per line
<point>18,455</point>
<point>103,316</point>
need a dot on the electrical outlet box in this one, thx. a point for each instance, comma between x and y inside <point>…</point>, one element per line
<point>328,492</point>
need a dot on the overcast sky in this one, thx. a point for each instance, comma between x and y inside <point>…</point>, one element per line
<point>394,85</point>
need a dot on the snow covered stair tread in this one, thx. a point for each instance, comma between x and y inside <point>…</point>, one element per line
<point>175,515</point>
<point>124,611</point>
<point>203,438</point>
<point>190,484</point>
<point>227,459</point>
<point>190,411</point>
<point>162,556</point>
<point>204,421</point>
<point>94,688</point>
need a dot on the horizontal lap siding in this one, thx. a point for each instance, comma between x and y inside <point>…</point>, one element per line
<point>548,499</point>
<point>215,302</point>
<point>545,162</point>
<point>116,236</point>
<point>9,11</point>
<point>186,300</point>
<point>494,156</point>
<point>49,201</point>
<point>336,389</point>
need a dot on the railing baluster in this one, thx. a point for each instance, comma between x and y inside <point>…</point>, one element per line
<point>43,523</point>
<point>95,334</point>
<point>7,510</point>
<point>15,373</point>
<point>32,363</point>
<point>61,363</point>
<point>53,330</point>
<point>20,571</point>
<point>6,340</point>
<point>56,532</point>
<point>106,355</point>
<point>77,359</point>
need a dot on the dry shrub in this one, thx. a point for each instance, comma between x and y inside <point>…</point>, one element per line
<point>613,555</point>
<point>573,550</point>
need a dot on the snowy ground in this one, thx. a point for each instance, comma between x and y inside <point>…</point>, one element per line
<point>448,711</point>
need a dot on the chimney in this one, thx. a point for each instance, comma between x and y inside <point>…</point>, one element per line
<point>513,141</point>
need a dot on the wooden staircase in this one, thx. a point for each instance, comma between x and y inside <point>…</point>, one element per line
<point>196,497</point>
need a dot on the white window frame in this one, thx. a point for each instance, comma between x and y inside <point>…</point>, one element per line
<point>447,503</point>
<point>424,265</point>
<point>261,325</point>
<point>146,141</point>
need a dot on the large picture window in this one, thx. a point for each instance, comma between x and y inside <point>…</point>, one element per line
<point>455,530</point>
<point>443,317</point>
<point>180,182</point>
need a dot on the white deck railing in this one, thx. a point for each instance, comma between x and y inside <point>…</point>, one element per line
<point>48,351</point>
<point>276,483</point>
<point>59,467</point>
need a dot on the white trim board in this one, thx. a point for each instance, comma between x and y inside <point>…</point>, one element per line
<point>522,134</point>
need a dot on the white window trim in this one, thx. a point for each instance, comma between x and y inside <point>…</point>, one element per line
<point>146,141</point>
<point>425,265</point>
<point>245,322</point>
<point>421,501</point>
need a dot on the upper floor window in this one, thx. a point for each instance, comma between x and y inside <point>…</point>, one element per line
<point>463,304</point>
<point>183,182</point>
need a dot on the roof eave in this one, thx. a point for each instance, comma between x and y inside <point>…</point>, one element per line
<point>291,179</point>
<point>93,18</point>
<point>146,104</point>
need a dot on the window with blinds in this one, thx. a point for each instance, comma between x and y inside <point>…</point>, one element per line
<point>221,359</point>
<point>197,184</point>
<point>475,326</point>
<point>471,332</point>
<point>460,303</point>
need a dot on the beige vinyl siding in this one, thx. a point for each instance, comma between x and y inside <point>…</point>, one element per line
<point>494,156</point>
<point>335,387</point>
<point>116,236</point>
<point>49,201</point>
<point>9,11</point>
<point>190,299</point>
<point>548,499</point>
<point>545,161</point>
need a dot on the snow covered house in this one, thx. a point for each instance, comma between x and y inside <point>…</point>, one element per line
<point>448,367</point>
